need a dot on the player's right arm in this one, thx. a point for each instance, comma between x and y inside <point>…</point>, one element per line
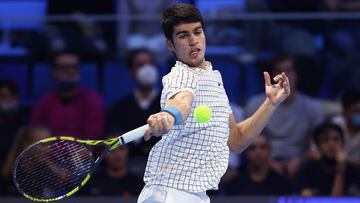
<point>162,122</point>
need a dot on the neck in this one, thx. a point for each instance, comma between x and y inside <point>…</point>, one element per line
<point>204,64</point>
<point>258,173</point>
<point>69,95</point>
<point>144,93</point>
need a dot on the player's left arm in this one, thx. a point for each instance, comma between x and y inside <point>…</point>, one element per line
<point>244,133</point>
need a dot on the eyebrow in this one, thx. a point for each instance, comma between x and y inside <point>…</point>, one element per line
<point>184,32</point>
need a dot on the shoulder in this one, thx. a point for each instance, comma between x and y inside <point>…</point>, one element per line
<point>253,103</point>
<point>310,106</point>
<point>91,97</point>
<point>308,101</point>
<point>180,70</point>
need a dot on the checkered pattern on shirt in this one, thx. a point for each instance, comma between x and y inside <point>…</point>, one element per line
<point>192,156</point>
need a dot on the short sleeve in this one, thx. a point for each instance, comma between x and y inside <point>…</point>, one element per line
<point>179,80</point>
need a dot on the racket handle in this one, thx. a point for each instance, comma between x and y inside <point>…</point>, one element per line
<point>134,134</point>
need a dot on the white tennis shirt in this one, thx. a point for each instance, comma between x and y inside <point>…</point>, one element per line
<point>193,156</point>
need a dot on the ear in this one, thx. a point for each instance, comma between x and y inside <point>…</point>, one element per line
<point>170,44</point>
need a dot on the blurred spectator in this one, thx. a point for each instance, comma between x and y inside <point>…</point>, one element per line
<point>292,121</point>
<point>12,115</point>
<point>114,179</point>
<point>282,36</point>
<point>258,178</point>
<point>343,35</point>
<point>256,35</point>
<point>24,138</point>
<point>342,39</point>
<point>332,174</point>
<point>70,109</point>
<point>144,33</point>
<point>132,111</point>
<point>350,123</point>
<point>88,36</point>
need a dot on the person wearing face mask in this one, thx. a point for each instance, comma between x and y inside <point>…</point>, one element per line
<point>70,109</point>
<point>332,174</point>
<point>142,102</point>
<point>350,123</point>
<point>12,115</point>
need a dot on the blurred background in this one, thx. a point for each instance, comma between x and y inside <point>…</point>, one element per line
<point>81,67</point>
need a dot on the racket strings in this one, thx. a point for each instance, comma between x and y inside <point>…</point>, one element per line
<point>50,170</point>
<point>49,155</point>
<point>31,163</point>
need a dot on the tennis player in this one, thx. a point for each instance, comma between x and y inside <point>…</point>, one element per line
<point>191,157</point>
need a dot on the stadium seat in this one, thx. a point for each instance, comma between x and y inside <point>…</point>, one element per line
<point>231,72</point>
<point>117,82</point>
<point>43,83</point>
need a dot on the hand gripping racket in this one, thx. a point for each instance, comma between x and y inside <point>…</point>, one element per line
<point>57,167</point>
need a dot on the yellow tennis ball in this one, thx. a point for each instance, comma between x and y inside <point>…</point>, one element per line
<point>202,114</point>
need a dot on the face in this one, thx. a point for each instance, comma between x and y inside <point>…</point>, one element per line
<point>67,67</point>
<point>258,153</point>
<point>189,44</point>
<point>117,159</point>
<point>141,59</point>
<point>288,67</point>
<point>330,143</point>
<point>8,101</point>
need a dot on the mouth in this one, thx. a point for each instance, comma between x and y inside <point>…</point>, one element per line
<point>195,52</point>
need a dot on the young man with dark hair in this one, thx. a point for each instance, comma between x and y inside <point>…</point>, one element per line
<point>191,157</point>
<point>291,124</point>
<point>332,174</point>
<point>257,177</point>
<point>349,120</point>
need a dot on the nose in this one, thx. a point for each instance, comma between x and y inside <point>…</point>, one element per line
<point>193,40</point>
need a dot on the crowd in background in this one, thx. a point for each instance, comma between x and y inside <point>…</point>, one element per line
<point>310,147</point>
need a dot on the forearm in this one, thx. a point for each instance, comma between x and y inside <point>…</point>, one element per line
<point>244,133</point>
<point>182,102</point>
<point>338,186</point>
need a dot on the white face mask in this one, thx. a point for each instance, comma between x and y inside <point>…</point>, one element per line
<point>147,75</point>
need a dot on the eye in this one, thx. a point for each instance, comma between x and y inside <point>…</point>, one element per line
<point>183,35</point>
<point>198,31</point>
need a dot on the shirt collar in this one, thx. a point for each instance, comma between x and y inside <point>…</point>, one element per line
<point>184,65</point>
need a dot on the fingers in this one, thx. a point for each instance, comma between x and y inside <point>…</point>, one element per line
<point>282,81</point>
<point>147,135</point>
<point>159,124</point>
<point>267,79</point>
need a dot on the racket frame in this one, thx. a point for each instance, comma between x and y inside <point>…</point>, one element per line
<point>111,144</point>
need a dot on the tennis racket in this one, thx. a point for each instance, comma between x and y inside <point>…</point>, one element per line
<point>57,167</point>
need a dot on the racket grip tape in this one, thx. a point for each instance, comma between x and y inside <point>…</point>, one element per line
<point>134,134</point>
